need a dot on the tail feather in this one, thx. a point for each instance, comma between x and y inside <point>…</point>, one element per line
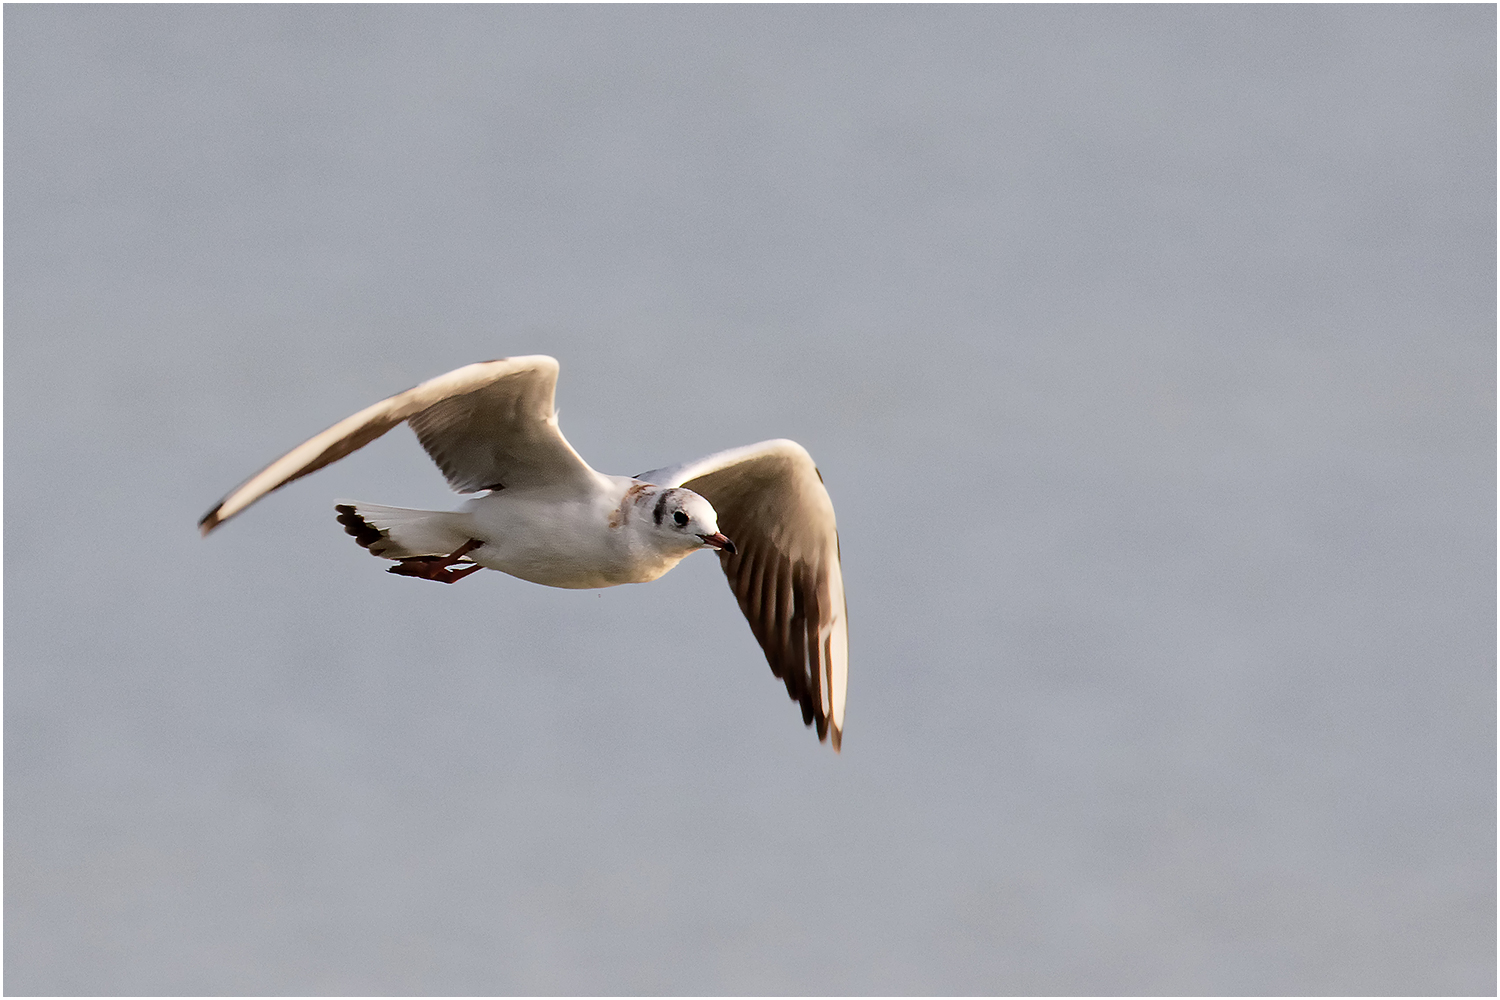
<point>399,532</point>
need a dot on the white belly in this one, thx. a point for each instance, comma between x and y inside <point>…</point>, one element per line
<point>560,543</point>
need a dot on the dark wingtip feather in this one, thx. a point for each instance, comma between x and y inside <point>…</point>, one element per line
<point>363,531</point>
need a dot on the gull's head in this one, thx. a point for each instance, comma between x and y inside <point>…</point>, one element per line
<point>684,520</point>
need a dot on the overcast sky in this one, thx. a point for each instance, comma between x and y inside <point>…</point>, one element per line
<point>1148,354</point>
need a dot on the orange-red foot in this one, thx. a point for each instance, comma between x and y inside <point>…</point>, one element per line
<point>439,568</point>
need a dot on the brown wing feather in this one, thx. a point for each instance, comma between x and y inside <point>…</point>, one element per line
<point>500,434</point>
<point>778,576</point>
<point>768,599</point>
<point>481,423</point>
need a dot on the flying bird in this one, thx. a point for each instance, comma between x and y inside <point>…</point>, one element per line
<point>542,514</point>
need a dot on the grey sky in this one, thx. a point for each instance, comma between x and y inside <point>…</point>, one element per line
<point>1147,353</point>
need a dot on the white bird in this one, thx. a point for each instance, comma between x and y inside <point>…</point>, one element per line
<point>547,517</point>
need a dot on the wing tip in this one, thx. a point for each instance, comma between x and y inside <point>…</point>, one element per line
<point>208,522</point>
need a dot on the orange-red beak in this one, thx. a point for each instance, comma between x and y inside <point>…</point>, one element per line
<point>718,541</point>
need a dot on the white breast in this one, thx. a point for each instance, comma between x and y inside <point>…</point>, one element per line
<point>565,540</point>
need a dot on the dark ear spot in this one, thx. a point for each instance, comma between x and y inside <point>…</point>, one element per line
<point>661,507</point>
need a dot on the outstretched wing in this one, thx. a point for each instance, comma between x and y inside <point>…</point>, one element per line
<point>786,573</point>
<point>487,425</point>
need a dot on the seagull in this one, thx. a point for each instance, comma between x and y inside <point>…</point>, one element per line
<point>543,515</point>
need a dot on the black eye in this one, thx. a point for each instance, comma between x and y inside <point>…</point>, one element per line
<point>679,517</point>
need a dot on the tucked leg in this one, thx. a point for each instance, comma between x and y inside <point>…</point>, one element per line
<point>439,568</point>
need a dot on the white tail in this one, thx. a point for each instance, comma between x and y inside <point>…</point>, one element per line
<point>400,532</point>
